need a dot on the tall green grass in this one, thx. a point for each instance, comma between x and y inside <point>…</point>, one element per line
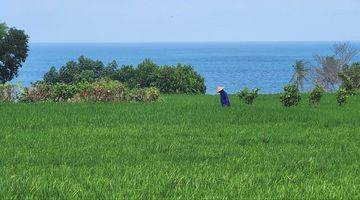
<point>184,147</point>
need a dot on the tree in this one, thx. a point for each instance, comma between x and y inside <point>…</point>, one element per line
<point>146,73</point>
<point>52,76</point>
<point>3,29</point>
<point>300,73</point>
<point>126,74</point>
<point>327,74</point>
<point>13,52</point>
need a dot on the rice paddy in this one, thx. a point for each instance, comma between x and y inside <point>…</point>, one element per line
<point>185,147</point>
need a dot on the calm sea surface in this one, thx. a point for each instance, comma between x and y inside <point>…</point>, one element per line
<point>266,65</point>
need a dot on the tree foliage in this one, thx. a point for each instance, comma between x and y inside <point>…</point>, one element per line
<point>342,96</point>
<point>168,79</point>
<point>13,52</point>
<point>290,96</point>
<point>347,84</point>
<point>315,95</point>
<point>353,73</point>
<point>248,96</point>
<point>3,29</point>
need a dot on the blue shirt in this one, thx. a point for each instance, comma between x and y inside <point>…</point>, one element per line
<point>224,98</point>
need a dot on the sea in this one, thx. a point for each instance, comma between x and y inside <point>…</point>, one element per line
<point>235,65</point>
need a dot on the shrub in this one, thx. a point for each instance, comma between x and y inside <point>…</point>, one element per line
<point>63,92</point>
<point>109,90</point>
<point>86,76</point>
<point>84,69</point>
<point>169,79</point>
<point>104,90</point>
<point>146,74</point>
<point>353,72</point>
<point>152,94</point>
<point>315,95</point>
<point>190,81</point>
<point>136,94</point>
<point>144,94</point>
<point>347,84</point>
<point>342,96</point>
<point>127,75</point>
<point>248,96</point>
<point>35,93</point>
<point>7,93</point>
<point>290,96</point>
<point>180,79</point>
<point>85,93</point>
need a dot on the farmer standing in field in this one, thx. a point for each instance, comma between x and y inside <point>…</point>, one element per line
<point>224,98</point>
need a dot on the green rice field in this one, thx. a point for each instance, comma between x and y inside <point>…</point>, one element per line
<point>183,147</point>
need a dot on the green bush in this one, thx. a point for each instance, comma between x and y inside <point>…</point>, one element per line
<point>290,96</point>
<point>35,93</point>
<point>353,72</point>
<point>315,95</point>
<point>63,92</point>
<point>179,79</point>
<point>248,96</point>
<point>146,74</point>
<point>136,94</point>
<point>127,75</point>
<point>84,69</point>
<point>109,90</point>
<point>347,84</point>
<point>143,94</point>
<point>7,93</point>
<point>151,94</point>
<point>86,76</point>
<point>342,96</point>
<point>52,76</point>
<point>169,79</point>
<point>103,90</point>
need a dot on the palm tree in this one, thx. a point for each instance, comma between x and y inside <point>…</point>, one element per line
<point>300,73</point>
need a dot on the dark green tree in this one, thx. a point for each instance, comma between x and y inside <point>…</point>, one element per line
<point>126,74</point>
<point>13,52</point>
<point>68,73</point>
<point>52,76</point>
<point>3,29</point>
<point>146,73</point>
<point>110,70</point>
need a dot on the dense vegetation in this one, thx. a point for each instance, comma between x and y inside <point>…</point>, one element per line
<point>168,79</point>
<point>183,147</point>
<point>102,90</point>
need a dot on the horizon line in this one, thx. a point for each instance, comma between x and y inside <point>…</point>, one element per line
<point>149,42</point>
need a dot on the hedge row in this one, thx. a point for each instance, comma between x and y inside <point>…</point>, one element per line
<point>168,79</point>
<point>103,90</point>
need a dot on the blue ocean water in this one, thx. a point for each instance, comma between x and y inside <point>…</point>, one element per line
<point>266,65</point>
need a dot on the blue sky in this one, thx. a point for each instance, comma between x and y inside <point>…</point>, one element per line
<point>183,20</point>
